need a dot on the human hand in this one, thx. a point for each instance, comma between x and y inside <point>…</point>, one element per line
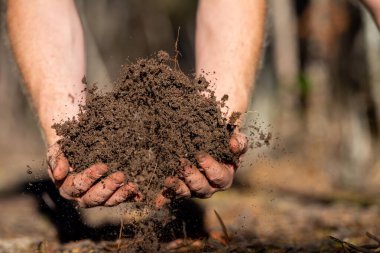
<point>203,182</point>
<point>86,187</point>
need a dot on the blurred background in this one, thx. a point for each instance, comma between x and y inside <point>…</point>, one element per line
<point>317,92</point>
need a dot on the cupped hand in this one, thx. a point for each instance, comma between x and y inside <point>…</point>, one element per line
<point>89,188</point>
<point>203,182</point>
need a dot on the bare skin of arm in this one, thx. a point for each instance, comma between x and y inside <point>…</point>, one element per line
<point>229,39</point>
<point>47,41</point>
<point>374,7</point>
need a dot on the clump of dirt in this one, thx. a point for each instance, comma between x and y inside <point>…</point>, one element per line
<point>154,116</point>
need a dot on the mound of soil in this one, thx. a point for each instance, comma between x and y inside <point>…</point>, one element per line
<point>154,116</point>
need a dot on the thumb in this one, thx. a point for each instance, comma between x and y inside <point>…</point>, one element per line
<point>58,164</point>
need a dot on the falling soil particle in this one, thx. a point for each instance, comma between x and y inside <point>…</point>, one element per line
<point>154,117</point>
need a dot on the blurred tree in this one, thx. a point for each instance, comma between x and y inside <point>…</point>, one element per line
<point>339,97</point>
<point>286,61</point>
<point>372,47</point>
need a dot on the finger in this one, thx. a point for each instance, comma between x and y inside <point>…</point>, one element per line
<point>58,164</point>
<point>76,184</point>
<point>178,186</point>
<point>124,193</point>
<point>177,244</point>
<point>196,181</point>
<point>161,201</point>
<point>172,185</point>
<point>103,190</point>
<point>238,143</point>
<point>218,174</point>
<point>61,168</point>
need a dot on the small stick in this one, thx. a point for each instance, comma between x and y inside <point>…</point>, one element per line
<point>120,232</point>
<point>42,247</point>
<point>176,64</point>
<point>345,244</point>
<point>224,228</point>
<point>151,178</point>
<point>184,232</point>
<point>373,237</point>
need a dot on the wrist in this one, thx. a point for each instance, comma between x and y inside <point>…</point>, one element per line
<point>238,95</point>
<point>57,107</point>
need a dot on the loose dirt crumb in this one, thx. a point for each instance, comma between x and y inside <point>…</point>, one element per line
<point>154,116</point>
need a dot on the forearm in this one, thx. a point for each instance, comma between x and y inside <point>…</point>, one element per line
<point>374,7</point>
<point>47,41</point>
<point>229,41</point>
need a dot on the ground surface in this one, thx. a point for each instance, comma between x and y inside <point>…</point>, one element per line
<point>274,214</point>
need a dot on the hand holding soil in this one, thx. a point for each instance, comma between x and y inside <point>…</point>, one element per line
<point>84,187</point>
<point>203,182</point>
<point>152,131</point>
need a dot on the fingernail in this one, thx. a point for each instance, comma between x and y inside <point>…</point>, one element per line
<point>186,171</point>
<point>170,184</point>
<point>201,157</point>
<point>242,140</point>
<point>184,165</point>
<point>52,162</point>
<point>184,162</point>
<point>138,197</point>
<point>132,187</point>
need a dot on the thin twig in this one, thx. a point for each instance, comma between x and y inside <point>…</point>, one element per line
<point>176,64</point>
<point>42,247</point>
<point>151,178</point>
<point>120,232</point>
<point>184,233</point>
<point>224,228</point>
<point>371,236</point>
<point>352,247</point>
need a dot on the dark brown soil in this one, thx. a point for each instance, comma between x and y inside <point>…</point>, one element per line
<point>154,116</point>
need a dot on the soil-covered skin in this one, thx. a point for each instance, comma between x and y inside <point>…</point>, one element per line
<point>154,116</point>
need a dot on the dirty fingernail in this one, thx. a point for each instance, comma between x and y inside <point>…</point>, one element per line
<point>52,162</point>
<point>184,162</point>
<point>241,140</point>
<point>201,157</point>
<point>241,145</point>
<point>138,197</point>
